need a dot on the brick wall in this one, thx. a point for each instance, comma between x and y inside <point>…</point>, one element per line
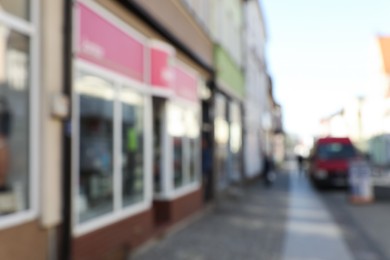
<point>114,241</point>
<point>170,212</point>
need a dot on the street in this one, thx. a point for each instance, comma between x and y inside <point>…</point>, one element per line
<point>289,221</point>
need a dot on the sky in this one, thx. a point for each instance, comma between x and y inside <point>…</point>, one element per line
<point>322,53</point>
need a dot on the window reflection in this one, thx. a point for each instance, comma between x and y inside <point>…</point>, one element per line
<point>193,159</point>
<point>183,126</point>
<point>132,148</point>
<point>222,139</point>
<point>14,122</point>
<point>192,124</point>
<point>178,162</point>
<point>96,148</point>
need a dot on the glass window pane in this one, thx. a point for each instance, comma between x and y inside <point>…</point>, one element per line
<point>132,148</point>
<point>14,122</point>
<point>193,131</point>
<point>96,147</point>
<point>20,8</point>
<point>193,159</point>
<point>178,176</point>
<point>177,130</point>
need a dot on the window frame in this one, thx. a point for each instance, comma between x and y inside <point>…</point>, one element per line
<point>30,29</point>
<point>168,190</point>
<point>119,211</point>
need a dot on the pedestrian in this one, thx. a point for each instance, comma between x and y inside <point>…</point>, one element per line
<point>268,167</point>
<point>300,161</point>
<point>207,167</point>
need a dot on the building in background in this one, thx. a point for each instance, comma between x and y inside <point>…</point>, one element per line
<point>279,138</point>
<point>256,88</point>
<point>363,118</point>
<point>226,27</point>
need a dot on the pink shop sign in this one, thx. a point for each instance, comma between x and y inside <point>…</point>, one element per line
<point>101,42</point>
<point>186,84</point>
<point>161,66</point>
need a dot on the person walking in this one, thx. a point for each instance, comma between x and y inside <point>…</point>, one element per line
<point>268,167</point>
<point>300,161</point>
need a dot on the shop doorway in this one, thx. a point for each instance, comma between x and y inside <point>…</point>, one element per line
<point>158,121</point>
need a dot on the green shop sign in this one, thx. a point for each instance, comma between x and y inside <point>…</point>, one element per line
<point>228,73</point>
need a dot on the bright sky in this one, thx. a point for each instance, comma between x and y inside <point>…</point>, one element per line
<point>321,53</point>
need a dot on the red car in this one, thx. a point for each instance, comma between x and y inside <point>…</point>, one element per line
<point>329,161</point>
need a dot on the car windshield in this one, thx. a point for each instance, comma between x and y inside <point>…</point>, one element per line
<point>335,151</point>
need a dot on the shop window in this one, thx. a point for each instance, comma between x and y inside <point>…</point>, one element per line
<point>192,124</point>
<point>183,127</point>
<point>14,122</point>
<point>96,124</point>
<point>111,157</point>
<point>132,148</point>
<point>176,129</point>
<point>178,173</point>
<point>193,159</point>
<point>19,8</point>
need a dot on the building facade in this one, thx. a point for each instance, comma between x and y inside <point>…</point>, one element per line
<point>256,98</point>
<point>119,118</point>
<point>229,90</point>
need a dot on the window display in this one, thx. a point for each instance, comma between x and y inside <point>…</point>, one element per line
<point>14,122</point>
<point>192,125</point>
<point>96,146</point>
<point>111,147</point>
<point>178,171</point>
<point>183,127</point>
<point>132,147</point>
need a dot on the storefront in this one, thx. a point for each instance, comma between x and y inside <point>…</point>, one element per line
<point>112,141</point>
<point>177,110</point>
<point>228,138</point>
<point>228,121</point>
<point>136,128</point>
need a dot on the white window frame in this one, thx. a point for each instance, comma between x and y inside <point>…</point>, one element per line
<point>28,28</point>
<point>168,191</point>
<point>119,211</point>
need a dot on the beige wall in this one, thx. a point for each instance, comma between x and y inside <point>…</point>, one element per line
<point>51,134</point>
<point>26,241</point>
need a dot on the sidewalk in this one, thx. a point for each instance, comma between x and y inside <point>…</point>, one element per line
<point>250,226</point>
<point>311,231</point>
<point>287,221</point>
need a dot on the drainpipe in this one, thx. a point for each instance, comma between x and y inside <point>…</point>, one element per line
<point>214,179</point>
<point>66,232</point>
